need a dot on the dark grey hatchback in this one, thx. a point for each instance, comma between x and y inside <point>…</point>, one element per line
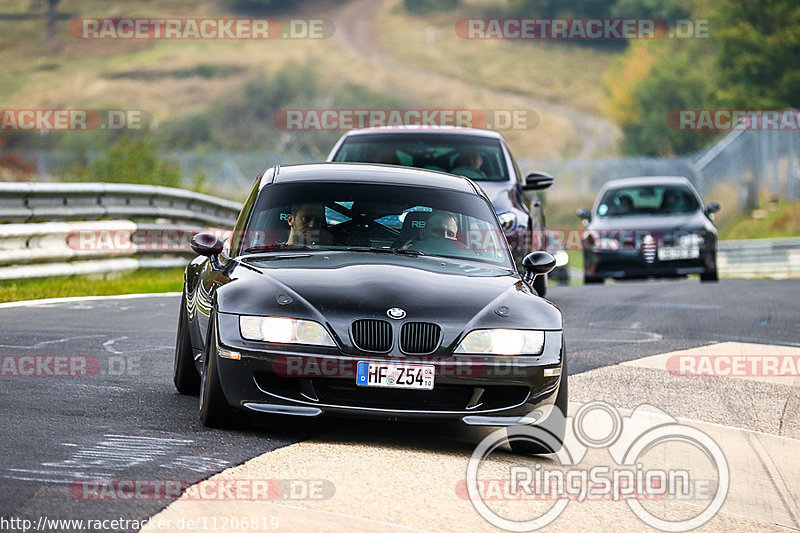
<point>649,227</point>
<point>480,155</point>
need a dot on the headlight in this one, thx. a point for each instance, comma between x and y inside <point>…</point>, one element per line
<point>502,342</point>
<point>508,221</point>
<point>284,330</point>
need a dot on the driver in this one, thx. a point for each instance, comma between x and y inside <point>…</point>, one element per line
<point>469,163</point>
<point>308,225</point>
<point>440,225</point>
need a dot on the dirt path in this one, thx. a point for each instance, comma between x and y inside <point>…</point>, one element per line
<point>355,22</point>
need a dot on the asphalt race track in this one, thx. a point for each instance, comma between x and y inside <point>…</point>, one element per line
<point>124,421</point>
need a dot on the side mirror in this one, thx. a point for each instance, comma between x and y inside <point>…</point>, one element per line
<point>536,181</point>
<point>537,264</point>
<point>207,244</point>
<point>583,214</point>
<point>712,208</point>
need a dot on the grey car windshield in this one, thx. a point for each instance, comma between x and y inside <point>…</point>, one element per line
<point>647,200</point>
<point>477,158</point>
<point>374,218</point>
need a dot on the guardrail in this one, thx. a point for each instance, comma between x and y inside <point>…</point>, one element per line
<point>36,202</point>
<point>774,258</point>
<point>57,229</point>
<point>158,223</point>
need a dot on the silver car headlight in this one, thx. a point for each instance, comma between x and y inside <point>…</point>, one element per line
<point>508,220</point>
<point>284,330</point>
<point>502,342</point>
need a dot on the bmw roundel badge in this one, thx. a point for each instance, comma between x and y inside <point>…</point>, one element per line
<point>396,313</point>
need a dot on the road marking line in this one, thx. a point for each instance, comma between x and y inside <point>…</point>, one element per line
<point>46,301</point>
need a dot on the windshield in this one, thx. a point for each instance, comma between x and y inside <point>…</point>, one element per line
<point>477,158</point>
<point>648,199</point>
<point>372,218</point>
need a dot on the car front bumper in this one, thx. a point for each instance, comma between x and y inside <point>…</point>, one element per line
<point>631,264</point>
<point>496,391</point>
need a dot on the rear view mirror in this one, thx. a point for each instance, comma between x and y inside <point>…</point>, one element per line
<point>583,214</point>
<point>536,181</point>
<point>537,264</point>
<point>207,244</point>
<point>712,208</point>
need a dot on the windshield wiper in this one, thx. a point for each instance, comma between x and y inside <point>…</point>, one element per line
<point>282,247</point>
<point>395,251</point>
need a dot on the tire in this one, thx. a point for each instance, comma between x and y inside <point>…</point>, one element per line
<point>184,374</point>
<point>540,285</point>
<point>709,275</point>
<point>215,412</point>
<point>554,428</point>
<point>590,280</point>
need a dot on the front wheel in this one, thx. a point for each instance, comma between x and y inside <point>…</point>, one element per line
<point>215,412</point>
<point>710,275</point>
<point>591,280</point>
<point>547,437</point>
<point>184,374</point>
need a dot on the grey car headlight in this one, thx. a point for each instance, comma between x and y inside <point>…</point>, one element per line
<point>284,330</point>
<point>502,342</point>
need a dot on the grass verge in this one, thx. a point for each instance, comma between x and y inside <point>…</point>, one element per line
<point>137,282</point>
<point>780,219</point>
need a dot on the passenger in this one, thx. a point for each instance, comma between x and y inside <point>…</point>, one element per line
<point>672,201</point>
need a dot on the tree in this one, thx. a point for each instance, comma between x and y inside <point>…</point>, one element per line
<point>652,80</point>
<point>759,53</point>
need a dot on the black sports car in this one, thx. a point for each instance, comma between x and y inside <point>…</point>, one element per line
<point>482,156</point>
<point>330,297</point>
<point>649,227</point>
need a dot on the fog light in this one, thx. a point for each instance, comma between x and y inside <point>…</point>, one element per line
<point>552,372</point>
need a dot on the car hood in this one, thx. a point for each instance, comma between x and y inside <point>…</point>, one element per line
<point>339,287</point>
<point>499,193</point>
<point>662,224</point>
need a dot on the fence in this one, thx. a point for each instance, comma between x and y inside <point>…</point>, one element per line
<point>154,231</point>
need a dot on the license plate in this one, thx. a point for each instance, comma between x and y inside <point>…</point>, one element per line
<point>395,376</point>
<point>671,253</point>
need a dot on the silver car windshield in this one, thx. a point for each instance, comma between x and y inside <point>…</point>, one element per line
<point>477,158</point>
<point>647,200</point>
